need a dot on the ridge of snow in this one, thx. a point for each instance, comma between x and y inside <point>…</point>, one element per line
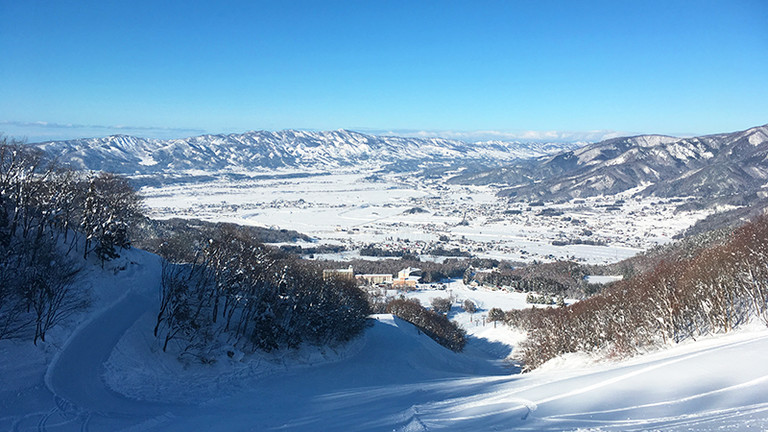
<point>281,149</point>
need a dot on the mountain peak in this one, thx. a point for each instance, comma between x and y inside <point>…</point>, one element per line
<point>725,168</point>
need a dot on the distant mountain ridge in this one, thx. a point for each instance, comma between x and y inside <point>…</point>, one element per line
<point>264,150</point>
<point>725,168</point>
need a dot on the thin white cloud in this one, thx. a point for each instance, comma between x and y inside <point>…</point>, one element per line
<point>495,135</point>
<point>35,131</point>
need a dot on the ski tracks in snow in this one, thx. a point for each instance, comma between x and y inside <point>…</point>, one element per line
<point>632,415</point>
<point>75,375</point>
<point>525,403</point>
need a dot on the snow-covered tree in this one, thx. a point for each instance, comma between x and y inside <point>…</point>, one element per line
<point>111,206</point>
<point>255,297</point>
<point>441,304</point>
<point>469,306</point>
<point>435,325</point>
<point>495,314</point>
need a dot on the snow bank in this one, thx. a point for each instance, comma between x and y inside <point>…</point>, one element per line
<point>392,378</point>
<point>140,370</point>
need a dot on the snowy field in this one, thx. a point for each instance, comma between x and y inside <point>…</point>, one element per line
<point>391,378</point>
<point>356,209</point>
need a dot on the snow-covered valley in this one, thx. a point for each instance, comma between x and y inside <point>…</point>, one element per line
<point>407,212</point>
<point>420,196</point>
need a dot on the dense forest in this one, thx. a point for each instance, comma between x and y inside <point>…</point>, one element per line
<point>225,289</point>
<point>51,219</point>
<point>431,271</point>
<point>148,234</point>
<point>555,278</point>
<point>713,289</point>
<point>433,323</point>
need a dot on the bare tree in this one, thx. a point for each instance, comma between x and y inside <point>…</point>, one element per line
<point>441,304</point>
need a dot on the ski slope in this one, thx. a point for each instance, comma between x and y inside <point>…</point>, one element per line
<point>395,378</point>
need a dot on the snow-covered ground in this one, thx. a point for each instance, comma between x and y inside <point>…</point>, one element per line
<point>406,211</point>
<point>602,279</point>
<point>391,378</point>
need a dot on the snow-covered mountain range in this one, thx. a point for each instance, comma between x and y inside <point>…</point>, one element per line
<point>727,168</point>
<point>293,149</point>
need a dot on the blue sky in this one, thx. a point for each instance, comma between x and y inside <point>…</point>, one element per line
<point>507,69</point>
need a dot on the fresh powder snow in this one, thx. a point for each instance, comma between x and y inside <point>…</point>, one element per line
<point>393,377</point>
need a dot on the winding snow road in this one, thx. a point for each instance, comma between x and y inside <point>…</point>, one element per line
<point>76,376</point>
<point>82,399</point>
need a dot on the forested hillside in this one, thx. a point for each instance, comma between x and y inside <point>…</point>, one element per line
<point>718,289</point>
<point>51,220</point>
<point>220,285</point>
<point>225,289</point>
